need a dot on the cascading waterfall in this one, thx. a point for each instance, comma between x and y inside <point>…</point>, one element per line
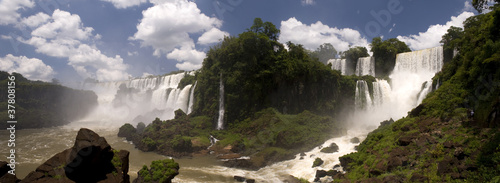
<point>145,95</point>
<point>339,64</point>
<point>191,98</point>
<point>411,81</point>
<point>365,66</point>
<point>381,92</point>
<point>362,96</point>
<point>220,121</point>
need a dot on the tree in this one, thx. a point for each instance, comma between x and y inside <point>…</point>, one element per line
<point>481,5</point>
<point>352,55</point>
<point>265,28</point>
<point>325,52</point>
<point>385,54</point>
<point>450,42</point>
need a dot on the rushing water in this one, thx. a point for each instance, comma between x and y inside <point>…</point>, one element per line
<point>35,146</point>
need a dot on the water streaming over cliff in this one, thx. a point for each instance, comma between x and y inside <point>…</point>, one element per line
<point>339,64</point>
<point>220,121</point>
<point>142,99</point>
<point>365,66</point>
<point>410,82</point>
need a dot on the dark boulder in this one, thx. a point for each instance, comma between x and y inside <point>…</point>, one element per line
<point>355,140</point>
<point>128,131</point>
<point>330,149</point>
<point>5,176</point>
<point>91,159</point>
<point>243,179</point>
<point>345,161</point>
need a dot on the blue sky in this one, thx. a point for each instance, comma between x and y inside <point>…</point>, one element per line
<point>118,39</point>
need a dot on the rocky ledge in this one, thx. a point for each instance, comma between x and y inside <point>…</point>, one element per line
<point>91,159</point>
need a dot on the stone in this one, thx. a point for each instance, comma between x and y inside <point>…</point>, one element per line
<point>355,140</point>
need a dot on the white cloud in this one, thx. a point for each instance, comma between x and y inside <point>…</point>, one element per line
<point>434,33</point>
<point>135,53</point>
<point>314,35</point>
<point>31,68</point>
<point>190,59</point>
<point>392,28</point>
<point>9,8</point>
<point>214,35</point>
<point>63,35</point>
<point>122,4</point>
<point>468,7</point>
<point>167,26</point>
<point>307,2</point>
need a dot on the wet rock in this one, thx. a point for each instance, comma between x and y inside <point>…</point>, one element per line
<point>345,161</point>
<point>5,176</point>
<point>386,122</point>
<point>330,149</point>
<point>320,174</point>
<point>355,140</point>
<point>336,166</point>
<point>89,160</point>
<point>239,163</point>
<point>302,154</point>
<point>243,179</point>
<point>317,162</point>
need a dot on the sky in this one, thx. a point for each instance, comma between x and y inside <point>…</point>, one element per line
<point>111,40</point>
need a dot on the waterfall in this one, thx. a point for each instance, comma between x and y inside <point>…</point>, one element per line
<point>427,61</point>
<point>191,98</point>
<point>381,92</point>
<point>339,64</point>
<point>409,84</point>
<point>362,95</point>
<point>153,96</point>
<point>220,121</point>
<point>365,66</point>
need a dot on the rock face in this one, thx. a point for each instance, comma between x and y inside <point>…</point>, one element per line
<point>91,159</point>
<point>330,149</point>
<point>4,173</point>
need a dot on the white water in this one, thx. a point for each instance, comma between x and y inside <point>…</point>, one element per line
<point>411,81</point>
<point>365,66</point>
<point>339,64</point>
<point>363,99</point>
<point>149,98</point>
<point>220,121</point>
<point>191,98</point>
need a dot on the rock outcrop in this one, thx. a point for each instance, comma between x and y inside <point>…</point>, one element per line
<point>91,159</point>
<point>5,176</point>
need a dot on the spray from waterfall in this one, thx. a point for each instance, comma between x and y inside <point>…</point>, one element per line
<point>339,64</point>
<point>140,100</point>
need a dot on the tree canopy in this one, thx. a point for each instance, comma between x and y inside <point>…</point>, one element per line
<point>352,55</point>
<point>481,5</point>
<point>385,54</point>
<point>325,52</point>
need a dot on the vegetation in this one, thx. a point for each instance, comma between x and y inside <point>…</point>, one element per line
<point>317,162</point>
<point>440,141</point>
<point>162,171</point>
<point>324,53</point>
<point>385,54</point>
<point>41,104</point>
<point>352,55</point>
<point>258,72</point>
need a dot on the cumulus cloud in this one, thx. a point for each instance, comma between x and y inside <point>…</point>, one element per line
<point>468,7</point>
<point>9,8</point>
<point>63,35</point>
<point>122,4</point>
<point>31,68</point>
<point>190,59</point>
<point>307,2</point>
<point>167,26</point>
<point>214,35</point>
<point>434,33</point>
<point>314,35</point>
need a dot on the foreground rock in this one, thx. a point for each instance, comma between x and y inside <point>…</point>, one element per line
<point>5,176</point>
<point>91,159</point>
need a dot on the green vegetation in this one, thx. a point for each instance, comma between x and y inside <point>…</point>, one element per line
<point>161,171</point>
<point>317,162</point>
<point>352,55</point>
<point>324,53</point>
<point>258,72</point>
<point>41,104</point>
<point>439,141</point>
<point>385,54</point>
